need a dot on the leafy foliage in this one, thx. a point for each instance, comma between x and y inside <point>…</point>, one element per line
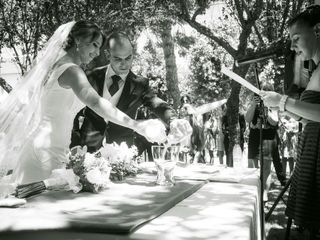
<point>233,30</point>
<point>206,77</point>
<point>26,25</point>
<point>149,63</point>
<point>244,28</point>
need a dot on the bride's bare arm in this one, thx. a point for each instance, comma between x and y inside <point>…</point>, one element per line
<point>76,79</point>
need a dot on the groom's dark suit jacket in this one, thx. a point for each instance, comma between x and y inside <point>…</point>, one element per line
<point>136,92</point>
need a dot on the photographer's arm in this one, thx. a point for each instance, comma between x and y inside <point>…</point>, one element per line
<point>250,112</point>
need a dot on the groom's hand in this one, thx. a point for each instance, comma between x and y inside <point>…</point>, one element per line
<point>179,130</point>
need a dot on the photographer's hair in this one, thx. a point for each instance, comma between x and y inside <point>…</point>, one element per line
<point>118,38</point>
<point>266,86</point>
<point>310,16</point>
<point>84,29</point>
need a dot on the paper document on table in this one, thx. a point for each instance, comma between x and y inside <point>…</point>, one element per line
<point>12,202</point>
<point>227,175</point>
<point>240,80</point>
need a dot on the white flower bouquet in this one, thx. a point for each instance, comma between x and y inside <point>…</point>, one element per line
<point>122,159</point>
<point>90,172</point>
<point>83,172</point>
<point>92,169</point>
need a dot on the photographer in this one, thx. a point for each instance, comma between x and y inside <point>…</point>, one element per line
<point>270,140</point>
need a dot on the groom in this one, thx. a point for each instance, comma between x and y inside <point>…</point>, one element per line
<point>127,91</point>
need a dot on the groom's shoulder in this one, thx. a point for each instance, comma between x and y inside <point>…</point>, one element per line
<point>139,79</point>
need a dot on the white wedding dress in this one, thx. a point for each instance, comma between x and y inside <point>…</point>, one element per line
<point>47,147</point>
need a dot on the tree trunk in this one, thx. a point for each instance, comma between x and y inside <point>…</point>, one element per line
<point>170,61</point>
<point>233,114</point>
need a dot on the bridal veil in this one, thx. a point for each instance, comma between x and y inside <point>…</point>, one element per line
<point>20,112</point>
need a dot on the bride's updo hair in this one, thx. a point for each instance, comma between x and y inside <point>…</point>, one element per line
<point>83,29</point>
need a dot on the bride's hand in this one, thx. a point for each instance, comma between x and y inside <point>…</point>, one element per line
<point>153,130</point>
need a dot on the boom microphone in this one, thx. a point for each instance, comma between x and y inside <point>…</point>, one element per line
<point>249,60</point>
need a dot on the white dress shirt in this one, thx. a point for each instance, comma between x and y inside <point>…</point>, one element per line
<point>108,82</point>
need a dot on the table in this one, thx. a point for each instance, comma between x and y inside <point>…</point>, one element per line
<point>218,210</point>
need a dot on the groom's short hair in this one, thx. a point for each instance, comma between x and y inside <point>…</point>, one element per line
<point>118,37</point>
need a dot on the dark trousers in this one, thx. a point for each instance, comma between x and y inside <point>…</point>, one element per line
<point>276,160</point>
<point>273,149</point>
<point>143,145</point>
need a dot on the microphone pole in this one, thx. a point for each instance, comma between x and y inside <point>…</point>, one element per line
<point>249,60</point>
<point>263,119</point>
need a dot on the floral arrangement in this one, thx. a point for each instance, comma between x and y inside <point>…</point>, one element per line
<point>92,169</point>
<point>86,171</point>
<point>122,159</point>
<point>111,162</point>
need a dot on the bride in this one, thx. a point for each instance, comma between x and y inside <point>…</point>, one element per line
<point>36,118</point>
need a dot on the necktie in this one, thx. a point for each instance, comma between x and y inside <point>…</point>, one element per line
<point>115,84</point>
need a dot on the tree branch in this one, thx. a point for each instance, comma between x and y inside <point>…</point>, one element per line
<point>232,13</point>
<point>243,40</point>
<point>284,18</point>
<point>17,57</point>
<point>184,10</point>
<point>202,5</point>
<point>196,13</point>
<point>250,23</point>
<point>208,33</point>
<point>258,33</point>
<point>240,11</point>
<point>258,6</point>
<point>204,30</point>
<point>56,10</point>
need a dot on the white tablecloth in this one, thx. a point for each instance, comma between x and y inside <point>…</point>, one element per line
<point>217,211</point>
